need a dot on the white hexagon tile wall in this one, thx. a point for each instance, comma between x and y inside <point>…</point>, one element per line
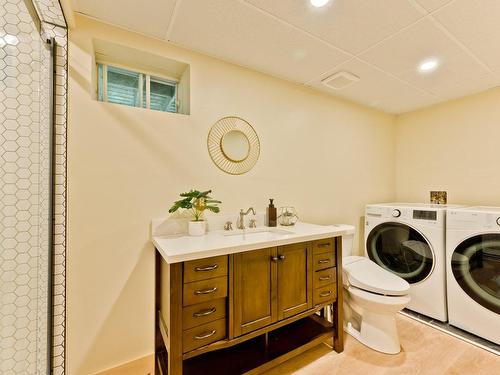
<point>24,186</point>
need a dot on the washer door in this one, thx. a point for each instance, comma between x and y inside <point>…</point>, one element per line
<point>402,250</point>
<point>476,267</point>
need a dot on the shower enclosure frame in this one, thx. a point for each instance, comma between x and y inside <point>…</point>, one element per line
<point>52,46</point>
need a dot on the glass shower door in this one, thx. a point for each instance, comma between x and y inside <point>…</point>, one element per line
<point>25,191</point>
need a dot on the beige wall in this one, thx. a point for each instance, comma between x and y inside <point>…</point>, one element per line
<point>327,157</point>
<point>453,146</point>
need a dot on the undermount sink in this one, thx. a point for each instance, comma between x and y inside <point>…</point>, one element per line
<point>257,231</point>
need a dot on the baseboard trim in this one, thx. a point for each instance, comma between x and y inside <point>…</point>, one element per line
<point>141,366</point>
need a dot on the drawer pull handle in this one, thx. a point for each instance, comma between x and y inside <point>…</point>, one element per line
<point>203,313</point>
<point>323,278</point>
<point>324,244</point>
<point>325,294</point>
<point>205,291</point>
<point>205,335</point>
<point>206,268</point>
<point>323,261</point>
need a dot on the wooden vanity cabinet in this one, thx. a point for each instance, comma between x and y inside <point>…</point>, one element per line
<point>226,302</point>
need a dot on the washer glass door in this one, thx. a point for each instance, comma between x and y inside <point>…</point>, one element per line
<point>475,264</point>
<point>402,250</point>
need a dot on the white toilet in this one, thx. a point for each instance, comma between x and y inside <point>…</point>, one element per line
<point>372,298</point>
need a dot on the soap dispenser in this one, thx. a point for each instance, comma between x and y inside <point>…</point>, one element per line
<point>271,214</point>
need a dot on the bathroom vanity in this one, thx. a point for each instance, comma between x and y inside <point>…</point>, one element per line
<point>245,301</point>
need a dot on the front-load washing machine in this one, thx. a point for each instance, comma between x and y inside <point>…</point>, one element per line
<point>408,239</point>
<point>473,270</point>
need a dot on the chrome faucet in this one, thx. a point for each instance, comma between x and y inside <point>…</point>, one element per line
<point>240,223</point>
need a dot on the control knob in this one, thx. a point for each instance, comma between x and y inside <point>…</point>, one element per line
<point>397,213</point>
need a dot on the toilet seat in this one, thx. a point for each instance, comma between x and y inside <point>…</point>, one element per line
<point>377,298</point>
<point>369,277</point>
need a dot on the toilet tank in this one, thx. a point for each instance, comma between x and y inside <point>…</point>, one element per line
<point>347,245</point>
<point>347,239</point>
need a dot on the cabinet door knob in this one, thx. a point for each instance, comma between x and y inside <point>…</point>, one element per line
<point>274,258</point>
<point>205,291</point>
<point>281,257</point>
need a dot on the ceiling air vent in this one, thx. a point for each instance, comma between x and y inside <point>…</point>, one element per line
<point>340,80</point>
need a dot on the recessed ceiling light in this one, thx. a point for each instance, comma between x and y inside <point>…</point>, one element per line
<point>319,3</point>
<point>428,65</point>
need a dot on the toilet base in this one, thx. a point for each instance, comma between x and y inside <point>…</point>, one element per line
<point>378,332</point>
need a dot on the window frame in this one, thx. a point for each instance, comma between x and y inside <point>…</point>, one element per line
<point>144,80</point>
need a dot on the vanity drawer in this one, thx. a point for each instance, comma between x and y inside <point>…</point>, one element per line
<point>324,246</point>
<point>201,313</point>
<point>202,269</point>
<point>322,261</point>
<point>324,294</point>
<point>203,335</point>
<point>204,290</point>
<point>324,277</point>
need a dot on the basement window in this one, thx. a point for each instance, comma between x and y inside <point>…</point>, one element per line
<point>136,89</point>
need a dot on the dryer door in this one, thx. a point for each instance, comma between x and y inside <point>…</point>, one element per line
<point>475,264</point>
<point>402,250</point>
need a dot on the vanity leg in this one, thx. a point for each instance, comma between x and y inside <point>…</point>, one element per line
<point>338,306</point>
<point>175,333</point>
<point>158,339</point>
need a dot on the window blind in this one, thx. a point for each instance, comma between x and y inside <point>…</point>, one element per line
<point>131,88</point>
<point>123,86</point>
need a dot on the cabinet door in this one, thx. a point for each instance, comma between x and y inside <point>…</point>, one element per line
<point>295,278</point>
<point>255,277</point>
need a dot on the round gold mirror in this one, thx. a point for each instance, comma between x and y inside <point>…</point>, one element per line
<point>233,145</point>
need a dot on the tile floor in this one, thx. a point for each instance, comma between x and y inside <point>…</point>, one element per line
<point>426,351</point>
<point>454,331</point>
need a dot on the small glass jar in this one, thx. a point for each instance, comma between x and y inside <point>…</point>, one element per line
<point>287,216</point>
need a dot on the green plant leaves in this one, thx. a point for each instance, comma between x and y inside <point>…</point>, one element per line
<point>214,209</point>
<point>192,200</point>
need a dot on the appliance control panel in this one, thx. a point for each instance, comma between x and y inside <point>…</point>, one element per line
<point>424,215</point>
<point>428,216</point>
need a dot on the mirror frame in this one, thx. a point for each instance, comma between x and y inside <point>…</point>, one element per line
<point>220,158</point>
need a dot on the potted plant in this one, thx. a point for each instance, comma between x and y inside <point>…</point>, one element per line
<point>196,202</point>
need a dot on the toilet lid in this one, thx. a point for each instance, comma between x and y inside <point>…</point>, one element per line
<point>364,274</point>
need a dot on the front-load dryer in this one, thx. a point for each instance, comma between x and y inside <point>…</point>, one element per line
<point>473,270</point>
<point>408,239</point>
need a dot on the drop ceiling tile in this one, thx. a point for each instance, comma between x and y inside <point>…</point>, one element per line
<point>241,34</point>
<point>150,17</point>
<point>401,54</point>
<point>468,87</point>
<point>432,5</point>
<point>377,89</point>
<point>477,25</point>
<point>352,25</point>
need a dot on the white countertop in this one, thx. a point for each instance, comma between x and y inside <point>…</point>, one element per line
<point>180,248</point>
